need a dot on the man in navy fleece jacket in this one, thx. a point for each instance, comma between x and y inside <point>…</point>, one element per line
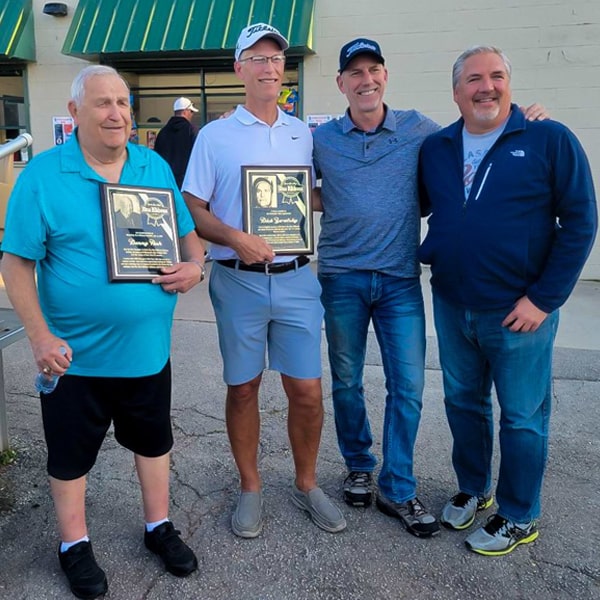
<point>513,219</point>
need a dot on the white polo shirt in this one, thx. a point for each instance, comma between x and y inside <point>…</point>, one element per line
<point>223,146</point>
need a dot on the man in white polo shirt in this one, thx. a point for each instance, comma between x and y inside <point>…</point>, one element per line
<point>263,303</point>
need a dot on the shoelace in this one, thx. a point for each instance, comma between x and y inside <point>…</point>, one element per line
<point>359,478</point>
<point>499,525</point>
<point>418,509</point>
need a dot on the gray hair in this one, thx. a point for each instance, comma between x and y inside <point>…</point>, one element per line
<point>78,85</point>
<point>459,65</point>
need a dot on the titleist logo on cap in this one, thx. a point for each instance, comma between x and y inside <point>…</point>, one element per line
<point>357,47</point>
<point>255,32</point>
<point>361,46</point>
<point>260,27</point>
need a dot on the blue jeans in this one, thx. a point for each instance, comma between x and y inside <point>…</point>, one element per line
<point>476,352</point>
<point>395,305</point>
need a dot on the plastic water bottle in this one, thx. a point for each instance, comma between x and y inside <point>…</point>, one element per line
<point>47,382</point>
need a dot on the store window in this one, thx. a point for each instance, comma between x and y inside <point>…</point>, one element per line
<point>13,114</point>
<point>212,92</point>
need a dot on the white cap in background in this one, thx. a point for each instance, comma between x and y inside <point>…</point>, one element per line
<point>184,104</point>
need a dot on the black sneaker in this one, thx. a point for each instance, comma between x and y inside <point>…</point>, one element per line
<point>178,558</point>
<point>358,488</point>
<point>500,536</point>
<point>86,579</point>
<point>412,513</point>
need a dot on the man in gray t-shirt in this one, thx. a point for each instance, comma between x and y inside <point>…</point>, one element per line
<point>368,270</point>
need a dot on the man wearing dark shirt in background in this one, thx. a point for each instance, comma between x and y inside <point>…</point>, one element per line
<point>176,139</point>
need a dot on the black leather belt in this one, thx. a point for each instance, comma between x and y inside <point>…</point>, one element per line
<point>266,268</point>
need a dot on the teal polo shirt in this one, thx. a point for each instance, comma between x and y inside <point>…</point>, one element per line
<point>54,217</point>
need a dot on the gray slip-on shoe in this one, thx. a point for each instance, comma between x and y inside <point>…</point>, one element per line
<point>246,521</point>
<point>322,511</point>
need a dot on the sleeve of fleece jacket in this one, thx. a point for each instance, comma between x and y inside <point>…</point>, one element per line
<point>577,222</point>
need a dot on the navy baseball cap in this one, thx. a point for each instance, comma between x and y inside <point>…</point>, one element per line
<point>359,46</point>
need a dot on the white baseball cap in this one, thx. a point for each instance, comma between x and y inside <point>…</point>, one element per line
<point>184,104</point>
<point>251,34</point>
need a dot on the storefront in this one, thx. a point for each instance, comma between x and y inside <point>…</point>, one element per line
<point>184,48</point>
<point>17,48</point>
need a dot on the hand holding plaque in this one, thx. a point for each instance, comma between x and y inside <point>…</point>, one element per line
<point>277,207</point>
<point>140,230</point>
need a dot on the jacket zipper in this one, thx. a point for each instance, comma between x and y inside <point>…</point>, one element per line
<point>485,176</point>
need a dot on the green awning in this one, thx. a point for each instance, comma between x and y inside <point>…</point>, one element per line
<point>17,40</point>
<point>114,29</point>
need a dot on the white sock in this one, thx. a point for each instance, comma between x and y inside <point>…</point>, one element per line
<point>64,546</point>
<point>152,526</point>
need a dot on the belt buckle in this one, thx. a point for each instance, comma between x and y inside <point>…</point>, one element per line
<point>267,269</point>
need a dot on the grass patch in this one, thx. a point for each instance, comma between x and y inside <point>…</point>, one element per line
<point>7,457</point>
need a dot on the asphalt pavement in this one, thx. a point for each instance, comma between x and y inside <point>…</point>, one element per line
<point>374,559</point>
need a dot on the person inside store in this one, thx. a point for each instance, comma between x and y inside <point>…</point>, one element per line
<point>175,140</point>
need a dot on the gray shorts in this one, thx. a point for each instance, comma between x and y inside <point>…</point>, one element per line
<point>257,313</point>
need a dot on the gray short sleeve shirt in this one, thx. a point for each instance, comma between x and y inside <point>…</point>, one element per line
<point>371,215</point>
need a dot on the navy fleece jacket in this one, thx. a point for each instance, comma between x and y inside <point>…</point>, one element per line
<point>527,226</point>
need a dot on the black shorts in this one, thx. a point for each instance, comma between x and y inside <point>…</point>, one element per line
<point>78,413</point>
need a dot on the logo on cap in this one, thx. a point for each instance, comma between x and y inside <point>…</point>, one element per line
<point>260,27</point>
<point>362,46</point>
<point>253,33</point>
<point>359,46</point>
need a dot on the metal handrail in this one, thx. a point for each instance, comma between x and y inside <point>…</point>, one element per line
<point>22,141</point>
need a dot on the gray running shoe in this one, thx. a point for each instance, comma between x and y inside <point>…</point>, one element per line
<point>459,512</point>
<point>413,515</point>
<point>501,536</point>
<point>246,521</point>
<point>358,488</point>
<point>322,511</point>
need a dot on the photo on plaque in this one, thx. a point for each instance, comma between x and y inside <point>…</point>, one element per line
<point>140,230</point>
<point>277,207</point>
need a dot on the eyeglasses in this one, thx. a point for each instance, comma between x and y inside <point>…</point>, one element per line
<point>260,61</point>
